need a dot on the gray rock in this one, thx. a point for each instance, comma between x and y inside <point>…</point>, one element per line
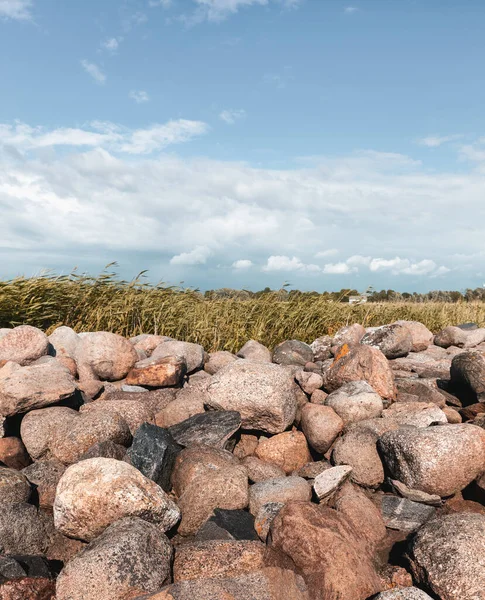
<point>212,428</point>
<point>264,518</point>
<point>131,557</point>
<point>107,449</point>
<point>403,514</point>
<point>355,401</point>
<point>22,530</point>
<point>255,351</point>
<point>322,348</point>
<point>450,336</point>
<point>468,371</point>
<point>392,340</point>
<point>330,480</point>
<point>281,489</point>
<point>292,352</point>
<point>23,344</point>
<point>357,448</point>
<point>14,487</point>
<point>192,353</point>
<point>405,593</point>
<point>45,475</point>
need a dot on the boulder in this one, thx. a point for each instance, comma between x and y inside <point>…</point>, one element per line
<point>64,342</point>
<point>14,487</point>
<point>417,414</point>
<point>357,448</point>
<point>330,480</point>
<point>189,401</point>
<point>158,372</point>
<point>147,342</point>
<point>350,335</point>
<point>94,493</point>
<point>421,336</point>
<point>22,531</point>
<point>258,470</point>
<point>153,453</point>
<point>255,351</point>
<point>265,517</point>
<point>308,381</point>
<point>133,412</point>
<point>264,394</point>
<point>292,352</point>
<point>217,360</point>
<point>45,475</point>
<point>355,401</point>
<point>26,388</point>
<point>13,453</point>
<point>131,557</point>
<point>235,524</point>
<point>322,348</point>
<point>104,356</point>
<point>333,559</point>
<point>270,583</point>
<point>403,593</point>
<point>106,449</point>
<point>193,354</point>
<point>321,426</point>
<point>65,434</point>
<point>23,345</point>
<point>282,489</point>
<point>217,558</point>
<point>438,460</point>
<point>403,514</point>
<point>212,428</point>
<point>361,363</point>
<point>288,450</point>
<point>450,336</point>
<point>468,371</point>
<point>392,340</point>
<point>448,556</point>
<point>420,391</point>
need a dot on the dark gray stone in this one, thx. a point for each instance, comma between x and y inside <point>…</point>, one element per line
<point>211,531</point>
<point>403,514</point>
<point>107,449</point>
<point>17,566</point>
<point>239,523</point>
<point>468,372</point>
<point>22,530</point>
<point>292,352</point>
<point>213,428</point>
<point>468,326</point>
<point>153,453</point>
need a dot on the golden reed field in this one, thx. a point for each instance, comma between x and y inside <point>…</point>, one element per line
<point>107,303</point>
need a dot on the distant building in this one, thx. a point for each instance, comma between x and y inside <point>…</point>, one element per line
<point>357,299</point>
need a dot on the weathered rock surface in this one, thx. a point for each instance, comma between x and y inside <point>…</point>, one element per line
<point>45,475</point>
<point>34,386</point>
<point>288,450</point>
<point>292,352</point>
<point>322,348</point>
<point>362,363</point>
<point>133,412</point>
<point>417,414</point>
<point>94,493</point>
<point>355,401</point>
<point>265,517</point>
<point>14,487</point>
<point>21,530</point>
<point>403,514</point>
<point>392,340</point>
<point>23,345</point>
<point>188,402</point>
<point>405,593</point>
<point>259,470</point>
<point>131,557</point>
<point>104,356</point>
<point>328,482</point>
<point>321,426</point>
<point>448,556</point>
<point>212,428</point>
<point>237,524</point>
<point>193,354</point>
<point>437,460</point>
<point>421,336</point>
<point>147,342</point>
<point>350,335</point>
<point>282,489</point>
<point>217,360</point>
<point>358,449</point>
<point>158,372</point>
<point>332,558</point>
<point>253,350</point>
<point>264,394</point>
<point>309,381</point>
<point>450,336</point>
<point>468,370</point>
<point>13,453</point>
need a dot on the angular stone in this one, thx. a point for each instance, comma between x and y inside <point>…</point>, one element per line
<point>193,354</point>
<point>270,583</point>
<point>361,363</point>
<point>438,460</point>
<point>35,386</point>
<point>355,401</point>
<point>22,530</point>
<point>133,412</point>
<point>190,401</point>
<point>14,487</point>
<point>288,450</point>
<point>328,482</point>
<point>31,588</point>
<point>357,448</point>
<point>131,557</point>
<point>238,523</point>
<point>66,434</point>
<point>255,351</point>
<point>392,340</point>
<point>332,558</point>
<point>292,352</point>
<point>94,493</point>
<point>265,517</point>
<point>13,453</point>
<point>259,470</point>
<point>217,360</point>
<point>415,495</point>
<point>23,345</point>
<point>160,372</point>
<point>212,428</point>
<point>282,489</point>
<point>45,475</point>
<point>264,394</point>
<point>153,453</point>
<point>217,558</point>
<point>448,556</point>
<point>309,382</point>
<point>350,335</point>
<point>403,514</point>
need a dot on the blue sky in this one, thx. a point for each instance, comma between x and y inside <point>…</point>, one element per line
<point>245,143</point>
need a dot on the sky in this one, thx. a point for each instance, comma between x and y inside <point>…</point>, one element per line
<point>245,143</point>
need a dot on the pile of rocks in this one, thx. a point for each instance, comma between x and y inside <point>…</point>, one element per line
<point>348,469</point>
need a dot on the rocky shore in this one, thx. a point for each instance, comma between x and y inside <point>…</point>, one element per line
<point>352,468</point>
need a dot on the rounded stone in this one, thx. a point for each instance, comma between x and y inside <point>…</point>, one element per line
<point>282,489</point>
<point>321,426</point>
<point>14,487</point>
<point>23,345</point>
<point>355,401</point>
<point>288,450</point>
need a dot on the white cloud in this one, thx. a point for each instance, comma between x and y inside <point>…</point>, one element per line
<point>162,3</point>
<point>94,71</point>
<point>358,261</point>
<point>197,256</point>
<point>325,253</point>
<point>139,96</point>
<point>435,141</point>
<point>16,9</point>
<point>230,116</point>
<point>112,44</point>
<point>340,268</point>
<point>285,263</point>
<point>350,10</point>
<point>404,266</point>
<point>218,10</point>
<point>103,134</point>
<point>242,264</point>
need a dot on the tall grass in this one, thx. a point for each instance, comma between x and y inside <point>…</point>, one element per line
<point>107,303</point>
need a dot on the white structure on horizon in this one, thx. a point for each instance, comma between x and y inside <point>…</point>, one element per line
<point>361,299</point>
